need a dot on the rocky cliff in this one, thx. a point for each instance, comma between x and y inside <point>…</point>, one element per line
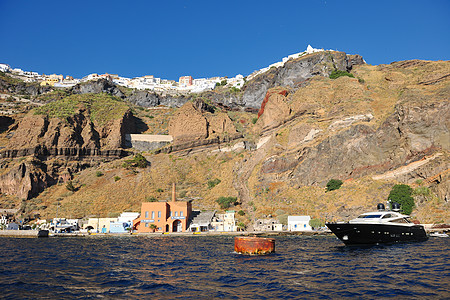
<point>56,132</point>
<point>192,122</point>
<point>296,71</point>
<point>97,86</point>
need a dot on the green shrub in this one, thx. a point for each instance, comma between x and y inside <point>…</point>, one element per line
<point>159,190</point>
<point>241,226</point>
<point>98,174</point>
<point>316,223</point>
<point>422,190</point>
<point>213,183</point>
<point>70,186</point>
<point>223,82</point>
<point>138,161</point>
<point>361,80</point>
<point>151,199</point>
<point>116,178</point>
<point>337,73</point>
<point>401,193</point>
<point>226,202</point>
<point>241,213</point>
<point>254,120</point>
<point>334,184</point>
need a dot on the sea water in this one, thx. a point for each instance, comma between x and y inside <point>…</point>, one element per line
<point>205,267</point>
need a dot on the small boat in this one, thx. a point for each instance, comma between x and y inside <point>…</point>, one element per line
<point>437,234</point>
<point>379,227</point>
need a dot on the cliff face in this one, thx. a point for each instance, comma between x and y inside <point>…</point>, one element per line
<point>408,135</point>
<point>290,75</point>
<point>77,139</point>
<point>151,99</point>
<point>41,134</point>
<point>296,71</point>
<point>97,86</point>
<point>391,125</point>
<point>192,123</point>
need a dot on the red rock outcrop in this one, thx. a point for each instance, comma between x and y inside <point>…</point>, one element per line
<point>275,110</point>
<point>266,98</point>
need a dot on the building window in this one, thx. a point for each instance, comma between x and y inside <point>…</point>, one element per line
<point>181,213</point>
<point>153,215</point>
<point>159,214</point>
<point>146,214</point>
<point>170,214</point>
<point>176,214</point>
<point>146,224</point>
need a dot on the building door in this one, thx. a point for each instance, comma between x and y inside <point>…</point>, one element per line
<point>177,226</point>
<point>167,228</point>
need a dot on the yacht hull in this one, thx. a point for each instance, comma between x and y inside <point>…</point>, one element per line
<point>369,234</point>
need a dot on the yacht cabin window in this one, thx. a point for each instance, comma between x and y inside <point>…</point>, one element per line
<point>369,216</point>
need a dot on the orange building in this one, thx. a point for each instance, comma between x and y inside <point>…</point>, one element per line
<point>165,216</point>
<point>185,80</point>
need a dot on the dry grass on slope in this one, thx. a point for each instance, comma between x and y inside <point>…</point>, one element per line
<point>119,189</point>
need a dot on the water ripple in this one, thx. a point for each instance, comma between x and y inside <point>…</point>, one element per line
<point>206,268</point>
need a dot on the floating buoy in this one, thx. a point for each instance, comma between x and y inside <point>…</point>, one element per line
<point>254,245</point>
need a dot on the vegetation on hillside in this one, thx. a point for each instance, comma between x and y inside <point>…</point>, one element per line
<point>138,161</point>
<point>334,184</point>
<point>337,73</point>
<point>102,107</point>
<point>226,202</point>
<point>401,194</point>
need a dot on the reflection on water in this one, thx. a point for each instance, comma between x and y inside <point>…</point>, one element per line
<point>206,267</point>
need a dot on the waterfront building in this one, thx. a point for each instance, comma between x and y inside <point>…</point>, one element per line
<point>6,215</point>
<point>170,216</point>
<point>99,224</point>
<point>201,221</point>
<point>124,222</point>
<point>267,225</point>
<point>224,222</point>
<point>165,216</point>
<point>128,217</point>
<point>299,223</point>
<point>118,227</point>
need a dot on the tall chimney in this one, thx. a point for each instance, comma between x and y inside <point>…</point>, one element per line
<point>174,197</point>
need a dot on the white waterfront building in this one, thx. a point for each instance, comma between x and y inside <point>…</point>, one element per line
<point>299,223</point>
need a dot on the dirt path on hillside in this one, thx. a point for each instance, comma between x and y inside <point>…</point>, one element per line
<point>406,169</point>
<point>240,182</point>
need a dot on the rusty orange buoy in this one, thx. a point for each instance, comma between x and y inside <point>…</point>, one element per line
<point>254,245</point>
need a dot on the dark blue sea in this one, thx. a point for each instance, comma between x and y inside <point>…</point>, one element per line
<point>205,267</point>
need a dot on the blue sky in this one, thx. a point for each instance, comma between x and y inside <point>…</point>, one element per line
<point>169,39</point>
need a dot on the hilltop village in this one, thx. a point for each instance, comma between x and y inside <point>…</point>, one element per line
<point>184,85</point>
<point>254,152</point>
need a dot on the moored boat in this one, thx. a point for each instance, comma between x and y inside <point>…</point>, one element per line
<point>379,227</point>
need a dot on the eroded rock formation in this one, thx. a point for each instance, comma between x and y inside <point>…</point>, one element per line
<point>191,123</point>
